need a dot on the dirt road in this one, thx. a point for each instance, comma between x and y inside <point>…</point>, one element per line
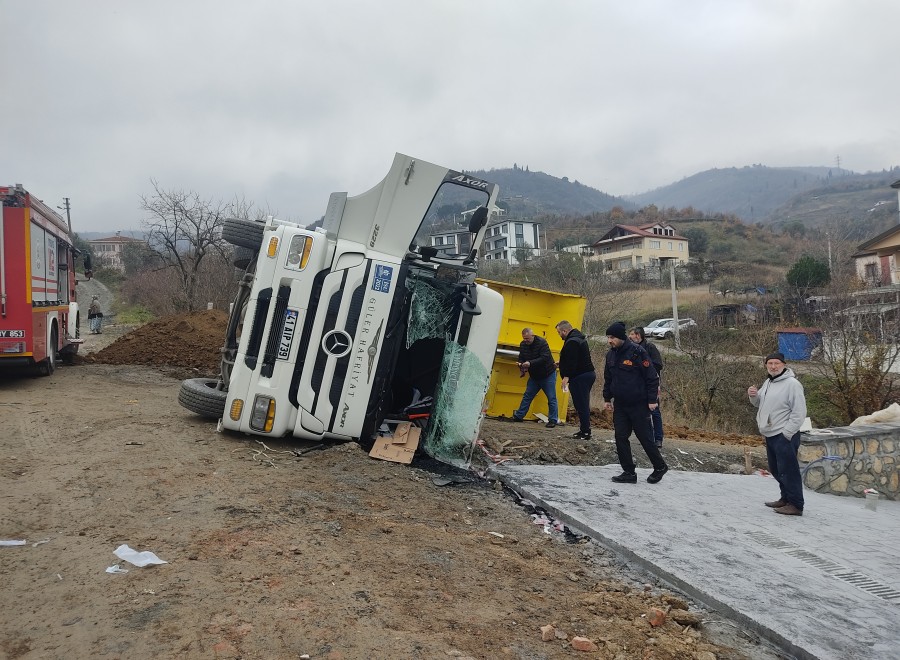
<point>275,555</point>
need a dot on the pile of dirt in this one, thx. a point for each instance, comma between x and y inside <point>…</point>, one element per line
<point>191,342</point>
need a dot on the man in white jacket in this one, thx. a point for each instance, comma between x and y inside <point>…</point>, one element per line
<point>782,409</point>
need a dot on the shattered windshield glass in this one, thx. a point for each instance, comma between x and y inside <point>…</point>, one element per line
<point>445,226</point>
<point>459,407</point>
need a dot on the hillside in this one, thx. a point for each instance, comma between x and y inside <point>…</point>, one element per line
<point>751,192</point>
<point>854,207</point>
<point>811,196</point>
<point>528,193</point>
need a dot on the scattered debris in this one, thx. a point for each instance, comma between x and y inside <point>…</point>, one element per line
<point>139,559</point>
<point>656,617</point>
<point>685,618</point>
<point>583,644</point>
<point>11,543</point>
<point>115,568</point>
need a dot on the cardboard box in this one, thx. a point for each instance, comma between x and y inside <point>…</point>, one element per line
<point>399,448</point>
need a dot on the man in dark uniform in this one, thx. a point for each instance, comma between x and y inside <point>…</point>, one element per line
<point>630,388</point>
<point>536,360</point>
<point>638,336</point>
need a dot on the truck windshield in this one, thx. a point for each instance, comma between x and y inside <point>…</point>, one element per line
<point>445,226</point>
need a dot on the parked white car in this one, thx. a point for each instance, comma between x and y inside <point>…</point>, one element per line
<point>653,325</point>
<point>667,329</point>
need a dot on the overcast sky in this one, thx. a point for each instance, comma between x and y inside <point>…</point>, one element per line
<point>283,102</point>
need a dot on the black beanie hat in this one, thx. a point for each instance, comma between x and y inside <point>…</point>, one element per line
<point>775,356</point>
<point>617,330</point>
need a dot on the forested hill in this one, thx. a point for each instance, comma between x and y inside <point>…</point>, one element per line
<point>776,194</point>
<point>528,193</point>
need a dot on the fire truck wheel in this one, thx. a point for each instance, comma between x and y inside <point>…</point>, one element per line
<point>243,233</point>
<point>48,365</point>
<point>201,396</point>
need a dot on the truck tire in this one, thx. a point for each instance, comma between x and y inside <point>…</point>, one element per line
<point>243,257</point>
<point>202,396</point>
<point>243,233</point>
<point>48,365</point>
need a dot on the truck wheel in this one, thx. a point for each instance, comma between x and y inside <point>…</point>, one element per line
<point>202,396</point>
<point>48,365</point>
<point>243,257</point>
<point>243,233</point>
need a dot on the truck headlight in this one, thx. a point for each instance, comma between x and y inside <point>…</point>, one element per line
<point>262,417</point>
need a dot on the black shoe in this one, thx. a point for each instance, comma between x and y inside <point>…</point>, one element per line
<point>657,475</point>
<point>581,435</point>
<point>515,419</point>
<point>551,424</point>
<point>625,478</point>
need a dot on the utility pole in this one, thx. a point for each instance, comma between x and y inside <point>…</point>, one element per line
<point>68,216</point>
<point>674,303</point>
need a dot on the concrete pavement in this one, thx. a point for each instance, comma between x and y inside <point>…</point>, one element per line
<point>825,585</point>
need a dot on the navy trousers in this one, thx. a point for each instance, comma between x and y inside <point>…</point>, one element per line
<point>635,418</point>
<point>580,387</point>
<point>784,466</point>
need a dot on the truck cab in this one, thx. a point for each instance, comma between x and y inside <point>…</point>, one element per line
<point>341,329</point>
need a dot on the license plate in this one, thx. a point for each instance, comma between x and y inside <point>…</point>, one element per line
<point>12,334</point>
<point>287,334</point>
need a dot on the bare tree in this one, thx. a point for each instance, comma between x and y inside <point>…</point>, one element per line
<point>184,230</point>
<point>860,346</point>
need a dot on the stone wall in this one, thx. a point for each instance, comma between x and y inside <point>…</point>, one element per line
<point>846,460</point>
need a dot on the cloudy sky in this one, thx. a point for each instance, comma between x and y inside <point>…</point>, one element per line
<point>283,102</point>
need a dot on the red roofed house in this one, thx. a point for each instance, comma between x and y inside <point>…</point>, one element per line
<point>108,252</point>
<point>655,244</point>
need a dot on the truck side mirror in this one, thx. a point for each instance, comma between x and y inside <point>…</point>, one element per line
<point>479,218</point>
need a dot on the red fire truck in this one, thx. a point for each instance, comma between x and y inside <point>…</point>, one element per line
<point>38,308</point>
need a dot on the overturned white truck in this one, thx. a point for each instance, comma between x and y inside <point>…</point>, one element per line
<point>339,330</point>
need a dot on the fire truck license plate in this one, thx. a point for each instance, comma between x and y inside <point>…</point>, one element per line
<point>287,334</point>
<point>12,334</point>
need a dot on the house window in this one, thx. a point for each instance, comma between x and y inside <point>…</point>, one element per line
<point>871,271</point>
<point>654,245</point>
<point>681,247</point>
<point>438,240</point>
<point>638,259</point>
<point>520,234</point>
<point>505,256</point>
<point>670,246</point>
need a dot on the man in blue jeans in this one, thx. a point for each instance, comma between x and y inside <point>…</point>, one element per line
<point>781,411</point>
<point>536,360</point>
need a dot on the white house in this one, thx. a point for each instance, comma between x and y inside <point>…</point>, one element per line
<point>108,252</point>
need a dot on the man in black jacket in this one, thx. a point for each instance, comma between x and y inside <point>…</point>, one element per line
<point>638,336</point>
<point>578,375</point>
<point>630,389</point>
<point>536,360</point>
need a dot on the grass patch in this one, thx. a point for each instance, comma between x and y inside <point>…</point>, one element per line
<point>134,315</point>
